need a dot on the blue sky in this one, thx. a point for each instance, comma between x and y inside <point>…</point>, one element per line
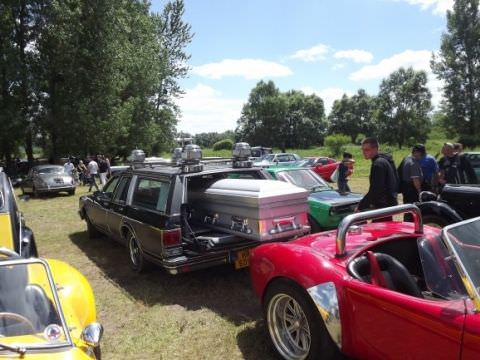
<point>326,47</point>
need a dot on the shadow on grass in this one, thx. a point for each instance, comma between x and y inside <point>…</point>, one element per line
<point>253,341</point>
<point>222,289</point>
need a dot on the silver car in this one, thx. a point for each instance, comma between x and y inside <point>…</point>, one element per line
<point>48,179</point>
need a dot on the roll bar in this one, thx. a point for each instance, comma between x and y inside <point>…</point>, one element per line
<point>372,215</point>
<point>9,253</point>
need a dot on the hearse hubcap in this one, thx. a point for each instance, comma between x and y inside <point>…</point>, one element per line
<point>134,250</point>
<point>288,327</point>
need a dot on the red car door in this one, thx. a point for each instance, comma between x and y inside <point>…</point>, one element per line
<point>384,324</point>
<point>471,339</point>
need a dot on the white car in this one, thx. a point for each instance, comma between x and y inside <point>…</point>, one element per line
<point>278,159</point>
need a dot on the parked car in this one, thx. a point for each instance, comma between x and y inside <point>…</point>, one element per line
<point>327,207</point>
<point>323,166</point>
<point>14,234</point>
<point>454,203</point>
<point>474,158</point>
<point>279,158</point>
<point>43,179</point>
<point>195,214</point>
<point>47,310</point>
<point>258,152</point>
<point>379,290</point>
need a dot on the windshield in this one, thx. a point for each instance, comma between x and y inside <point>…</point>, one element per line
<point>29,317</point>
<point>462,238</point>
<point>304,178</point>
<point>51,170</point>
<point>307,162</point>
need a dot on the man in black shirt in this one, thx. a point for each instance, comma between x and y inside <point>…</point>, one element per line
<point>455,167</point>
<point>383,181</point>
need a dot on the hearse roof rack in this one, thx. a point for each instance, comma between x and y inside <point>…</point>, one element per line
<point>189,158</point>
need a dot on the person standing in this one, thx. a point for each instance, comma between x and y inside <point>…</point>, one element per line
<point>92,173</point>
<point>82,172</point>
<point>382,191</point>
<point>429,169</point>
<point>344,170</point>
<point>103,169</point>
<point>68,167</point>
<point>455,167</point>
<point>411,175</point>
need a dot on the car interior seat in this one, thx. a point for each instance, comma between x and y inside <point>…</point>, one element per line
<point>385,271</point>
<point>43,309</point>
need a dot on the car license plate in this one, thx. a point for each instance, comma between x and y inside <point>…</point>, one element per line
<point>242,259</point>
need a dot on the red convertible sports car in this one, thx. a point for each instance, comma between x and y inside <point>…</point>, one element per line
<point>378,290</point>
<point>323,166</point>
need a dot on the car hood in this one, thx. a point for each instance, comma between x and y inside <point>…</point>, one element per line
<point>334,198</point>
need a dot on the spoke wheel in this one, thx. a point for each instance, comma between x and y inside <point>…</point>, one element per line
<point>295,326</point>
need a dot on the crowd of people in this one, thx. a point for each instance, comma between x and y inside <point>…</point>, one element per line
<point>417,172</point>
<point>97,167</point>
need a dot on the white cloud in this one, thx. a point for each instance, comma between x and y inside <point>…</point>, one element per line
<point>438,7</point>
<point>419,60</point>
<point>338,66</point>
<point>250,69</point>
<point>328,95</point>
<point>358,56</point>
<point>312,54</point>
<point>204,109</point>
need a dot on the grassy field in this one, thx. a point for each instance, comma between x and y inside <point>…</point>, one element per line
<point>209,314</point>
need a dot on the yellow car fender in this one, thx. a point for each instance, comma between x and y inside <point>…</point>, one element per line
<point>6,237</point>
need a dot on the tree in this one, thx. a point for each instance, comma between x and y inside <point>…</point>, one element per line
<point>403,104</point>
<point>457,64</point>
<point>275,119</point>
<point>352,115</point>
<point>19,23</point>
<point>108,72</point>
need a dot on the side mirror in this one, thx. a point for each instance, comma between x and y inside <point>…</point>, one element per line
<point>92,334</point>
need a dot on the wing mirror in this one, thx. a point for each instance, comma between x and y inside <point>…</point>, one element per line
<point>92,334</point>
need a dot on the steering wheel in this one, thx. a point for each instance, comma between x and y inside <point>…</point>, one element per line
<point>19,318</point>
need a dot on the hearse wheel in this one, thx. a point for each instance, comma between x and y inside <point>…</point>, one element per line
<point>295,326</point>
<point>137,261</point>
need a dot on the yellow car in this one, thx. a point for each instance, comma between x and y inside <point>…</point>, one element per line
<point>47,310</point>
<point>14,234</point>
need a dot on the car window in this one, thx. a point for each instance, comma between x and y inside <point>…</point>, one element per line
<point>51,170</point>
<point>323,161</point>
<point>151,194</point>
<point>111,184</point>
<point>282,158</point>
<point>122,190</point>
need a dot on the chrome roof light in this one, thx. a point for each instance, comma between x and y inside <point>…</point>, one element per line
<point>240,154</point>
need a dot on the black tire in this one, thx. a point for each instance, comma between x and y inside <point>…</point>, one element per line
<point>92,231</point>
<point>35,192</point>
<point>435,220</point>
<point>23,190</point>
<point>135,254</point>
<point>314,226</point>
<point>307,326</point>
<point>71,192</point>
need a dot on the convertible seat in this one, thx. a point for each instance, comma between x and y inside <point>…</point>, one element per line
<point>385,271</point>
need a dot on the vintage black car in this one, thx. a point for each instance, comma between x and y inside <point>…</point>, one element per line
<point>14,234</point>
<point>454,203</point>
<point>176,214</point>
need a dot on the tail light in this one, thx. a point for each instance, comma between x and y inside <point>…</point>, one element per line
<point>172,237</point>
